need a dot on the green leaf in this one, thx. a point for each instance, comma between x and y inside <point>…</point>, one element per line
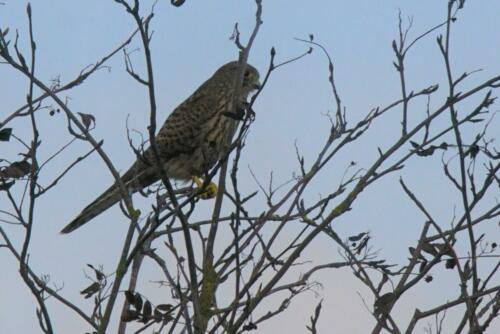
<point>135,214</point>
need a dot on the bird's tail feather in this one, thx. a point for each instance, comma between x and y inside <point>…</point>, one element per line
<point>102,203</point>
<point>137,177</point>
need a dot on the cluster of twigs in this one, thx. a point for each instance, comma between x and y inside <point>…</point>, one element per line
<point>260,260</point>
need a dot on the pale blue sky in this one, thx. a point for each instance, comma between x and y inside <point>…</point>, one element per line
<point>189,43</point>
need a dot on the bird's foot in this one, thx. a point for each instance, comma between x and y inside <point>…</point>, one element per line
<point>209,191</point>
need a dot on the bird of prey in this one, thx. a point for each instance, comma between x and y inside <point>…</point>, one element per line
<point>190,142</point>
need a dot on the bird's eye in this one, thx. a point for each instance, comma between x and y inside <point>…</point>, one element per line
<point>247,74</point>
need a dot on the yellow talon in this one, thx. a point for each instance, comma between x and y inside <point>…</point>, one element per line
<point>210,191</point>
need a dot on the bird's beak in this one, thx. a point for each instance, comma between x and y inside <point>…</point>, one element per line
<point>257,85</point>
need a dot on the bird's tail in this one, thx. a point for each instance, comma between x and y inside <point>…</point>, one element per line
<point>102,203</point>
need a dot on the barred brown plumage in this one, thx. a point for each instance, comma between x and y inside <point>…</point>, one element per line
<point>190,142</point>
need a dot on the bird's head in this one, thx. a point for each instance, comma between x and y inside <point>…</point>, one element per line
<point>250,76</point>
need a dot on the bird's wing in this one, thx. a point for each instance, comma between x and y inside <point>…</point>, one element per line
<point>182,131</point>
<point>180,134</point>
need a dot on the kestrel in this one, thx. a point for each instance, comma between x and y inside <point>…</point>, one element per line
<point>190,142</point>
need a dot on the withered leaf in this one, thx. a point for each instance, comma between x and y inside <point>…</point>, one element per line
<point>137,302</point>
<point>317,310</point>
<point>357,237</point>
<point>473,151</point>
<point>147,310</point>
<point>445,249</point>
<point>167,318</point>
<point>362,245</point>
<point>6,185</point>
<point>422,266</point>
<point>87,120</point>
<point>412,251</point>
<point>429,248</point>
<point>130,315</point>
<point>249,327</point>
<point>177,3</point>
<point>164,307</point>
<point>5,134</point>
<point>130,296</point>
<point>157,315</point>
<point>467,270</point>
<point>384,303</point>
<point>414,144</point>
<point>98,274</point>
<point>90,290</point>
<point>16,170</point>
<point>450,263</point>
<point>425,152</point>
